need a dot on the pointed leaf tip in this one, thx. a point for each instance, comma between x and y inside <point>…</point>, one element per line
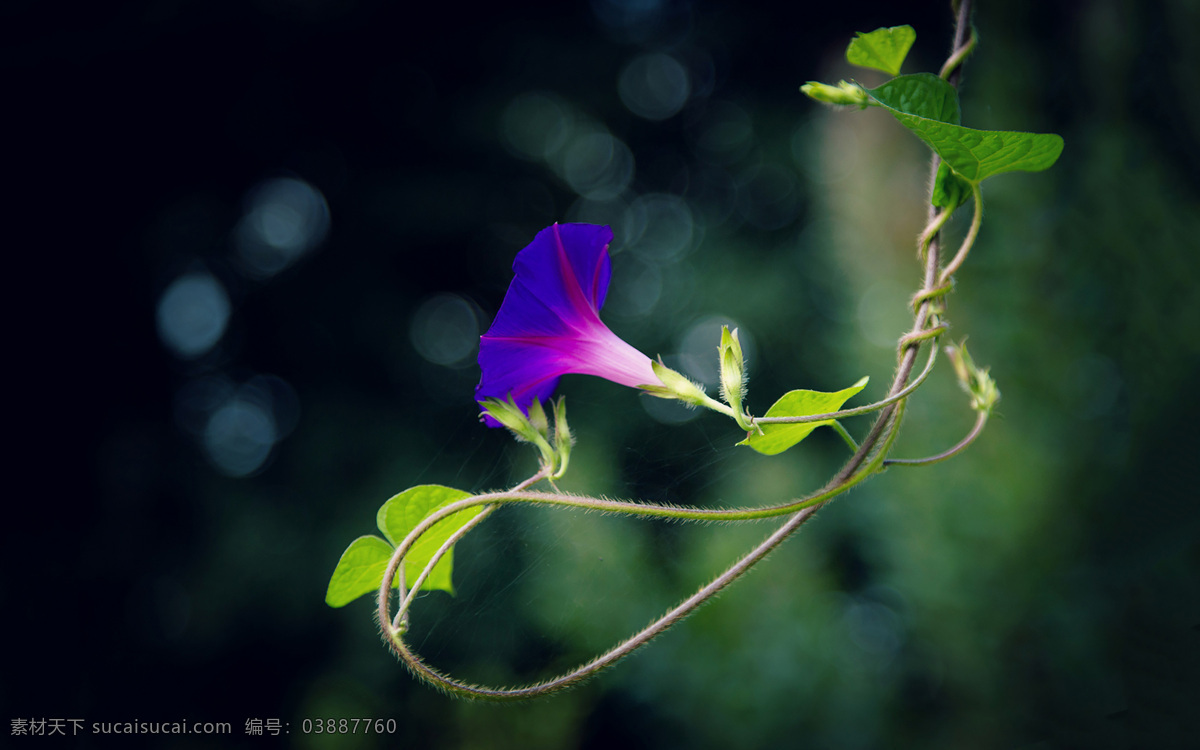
<point>928,106</point>
<point>777,438</point>
<point>882,49</point>
<point>359,571</point>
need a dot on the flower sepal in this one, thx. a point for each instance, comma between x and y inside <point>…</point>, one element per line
<point>508,414</point>
<point>524,428</point>
<point>675,386</point>
<point>554,448</point>
<point>537,418</point>
<point>973,379</point>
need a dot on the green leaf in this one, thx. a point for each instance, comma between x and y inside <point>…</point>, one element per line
<point>776,438</point>
<point>921,94</point>
<point>978,154</point>
<point>360,571</point>
<point>924,107</point>
<point>949,190</point>
<point>881,49</point>
<point>401,514</point>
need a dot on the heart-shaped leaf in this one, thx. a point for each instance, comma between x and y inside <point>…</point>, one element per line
<point>401,514</point>
<point>359,571</point>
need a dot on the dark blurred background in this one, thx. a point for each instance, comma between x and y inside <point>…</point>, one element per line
<point>251,246</point>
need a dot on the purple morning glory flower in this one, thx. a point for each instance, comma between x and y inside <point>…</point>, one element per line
<point>549,323</point>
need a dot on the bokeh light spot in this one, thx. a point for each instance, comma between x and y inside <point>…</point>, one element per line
<point>445,330</point>
<point>636,287</point>
<point>239,437</point>
<point>598,166</point>
<point>612,212</point>
<point>285,219</point>
<point>193,314</point>
<point>659,227</point>
<point>238,425</point>
<point>278,397</point>
<point>654,86</point>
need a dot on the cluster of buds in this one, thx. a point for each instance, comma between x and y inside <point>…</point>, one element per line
<point>534,427</point>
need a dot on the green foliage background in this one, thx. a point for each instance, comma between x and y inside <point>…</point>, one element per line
<point>1039,591</point>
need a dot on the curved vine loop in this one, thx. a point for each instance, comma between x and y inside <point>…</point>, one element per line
<point>869,458</point>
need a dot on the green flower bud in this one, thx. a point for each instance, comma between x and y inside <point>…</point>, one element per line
<point>844,93</point>
<point>510,415</point>
<point>563,439</point>
<point>973,379</point>
<point>537,418</point>
<point>733,375</point>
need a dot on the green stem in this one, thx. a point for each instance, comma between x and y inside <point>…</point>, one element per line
<point>837,427</point>
<point>623,649</point>
<point>959,55</point>
<point>932,230</point>
<point>969,240</point>
<point>711,403</point>
<point>389,575</point>
<point>402,612</point>
<point>980,421</point>
<point>833,415</point>
<point>803,510</point>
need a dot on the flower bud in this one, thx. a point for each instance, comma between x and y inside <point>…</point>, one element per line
<point>563,439</point>
<point>537,418</point>
<point>522,427</point>
<point>973,379</point>
<point>733,374</point>
<point>843,93</point>
<point>507,414</point>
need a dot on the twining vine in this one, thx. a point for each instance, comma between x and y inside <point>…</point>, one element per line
<point>549,325</point>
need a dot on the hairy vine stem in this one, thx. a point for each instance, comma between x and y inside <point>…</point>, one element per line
<point>860,410</point>
<point>869,457</point>
<point>976,430</point>
<point>396,641</point>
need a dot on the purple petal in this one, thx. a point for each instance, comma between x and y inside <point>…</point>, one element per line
<point>560,282</point>
<point>549,323</point>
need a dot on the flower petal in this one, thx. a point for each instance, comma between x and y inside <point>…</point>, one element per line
<point>549,323</point>
<point>561,280</point>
